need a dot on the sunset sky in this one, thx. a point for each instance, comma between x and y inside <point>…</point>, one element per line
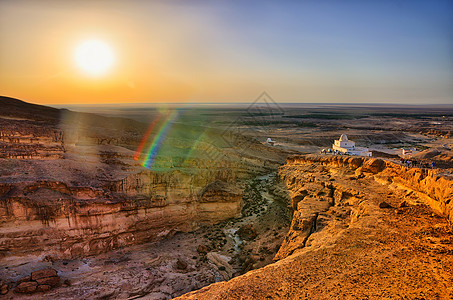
<point>228,51</point>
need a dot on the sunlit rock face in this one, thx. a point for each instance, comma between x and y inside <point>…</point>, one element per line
<point>30,142</point>
<point>359,225</point>
<point>52,218</point>
<point>435,189</point>
<point>313,193</point>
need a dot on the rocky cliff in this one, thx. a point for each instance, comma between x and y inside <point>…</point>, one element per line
<point>435,189</point>
<point>361,228</point>
<point>70,186</point>
<point>314,196</point>
<point>72,221</point>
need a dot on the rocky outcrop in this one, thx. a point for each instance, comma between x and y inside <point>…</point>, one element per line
<point>67,221</point>
<point>39,281</point>
<point>359,226</point>
<point>435,189</point>
<point>311,198</point>
<point>29,142</point>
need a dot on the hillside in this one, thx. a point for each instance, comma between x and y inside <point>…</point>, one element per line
<point>15,108</point>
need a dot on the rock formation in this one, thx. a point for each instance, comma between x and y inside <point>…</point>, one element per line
<point>69,186</point>
<point>343,243</point>
<point>433,188</point>
<point>39,281</point>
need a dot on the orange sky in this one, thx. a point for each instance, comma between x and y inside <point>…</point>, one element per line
<point>171,51</point>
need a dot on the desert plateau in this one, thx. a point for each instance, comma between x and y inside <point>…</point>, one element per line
<point>222,214</point>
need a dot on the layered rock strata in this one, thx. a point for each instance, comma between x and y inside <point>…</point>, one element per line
<point>70,221</point>
<point>72,184</point>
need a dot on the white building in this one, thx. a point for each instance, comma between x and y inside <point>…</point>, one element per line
<point>270,141</point>
<point>348,147</point>
<point>405,153</point>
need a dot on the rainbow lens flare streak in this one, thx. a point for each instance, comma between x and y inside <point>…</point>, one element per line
<point>145,138</point>
<point>157,142</point>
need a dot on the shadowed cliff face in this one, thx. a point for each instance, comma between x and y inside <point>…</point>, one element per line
<point>359,226</point>
<point>61,221</point>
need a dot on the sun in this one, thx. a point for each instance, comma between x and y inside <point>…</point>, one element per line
<point>94,57</point>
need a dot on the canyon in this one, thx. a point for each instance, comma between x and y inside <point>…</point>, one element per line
<point>71,188</point>
<point>361,228</point>
<point>218,213</point>
<point>87,198</point>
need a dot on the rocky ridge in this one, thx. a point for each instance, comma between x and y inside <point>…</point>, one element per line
<point>429,184</point>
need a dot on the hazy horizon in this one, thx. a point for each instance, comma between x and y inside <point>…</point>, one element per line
<point>58,52</point>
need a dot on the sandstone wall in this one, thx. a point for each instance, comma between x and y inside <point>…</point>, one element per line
<point>63,221</point>
<point>435,189</point>
<point>29,142</point>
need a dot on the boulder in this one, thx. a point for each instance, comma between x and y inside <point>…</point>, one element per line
<point>43,273</point>
<point>43,288</point>
<point>4,289</point>
<point>180,264</point>
<point>202,249</point>
<point>27,287</point>
<point>39,281</point>
<point>52,281</point>
<point>247,232</point>
<point>23,279</point>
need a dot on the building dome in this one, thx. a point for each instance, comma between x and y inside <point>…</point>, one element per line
<point>343,137</point>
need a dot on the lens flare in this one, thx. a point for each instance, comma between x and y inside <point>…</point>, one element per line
<point>158,139</point>
<point>146,137</point>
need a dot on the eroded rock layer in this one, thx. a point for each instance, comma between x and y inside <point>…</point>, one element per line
<point>432,187</point>
<point>77,221</point>
<point>361,228</point>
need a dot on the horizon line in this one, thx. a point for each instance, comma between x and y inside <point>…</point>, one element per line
<point>241,103</point>
<point>246,103</point>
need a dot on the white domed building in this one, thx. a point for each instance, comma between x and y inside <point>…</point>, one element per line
<point>346,146</point>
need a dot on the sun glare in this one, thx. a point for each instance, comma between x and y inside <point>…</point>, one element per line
<point>94,57</point>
